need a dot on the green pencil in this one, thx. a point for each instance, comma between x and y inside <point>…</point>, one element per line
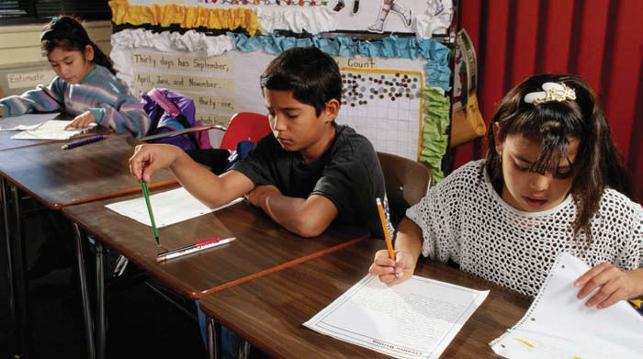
<point>146,194</point>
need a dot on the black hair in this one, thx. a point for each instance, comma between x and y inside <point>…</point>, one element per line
<point>598,163</point>
<point>67,33</point>
<point>311,75</point>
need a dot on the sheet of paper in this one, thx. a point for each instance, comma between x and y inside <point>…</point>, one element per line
<point>558,325</point>
<point>169,208</point>
<point>25,122</point>
<point>50,130</point>
<point>415,319</point>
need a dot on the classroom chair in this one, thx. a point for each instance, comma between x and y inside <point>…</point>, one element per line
<point>245,126</point>
<point>407,182</point>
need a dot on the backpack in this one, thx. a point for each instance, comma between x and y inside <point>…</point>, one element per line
<point>169,111</point>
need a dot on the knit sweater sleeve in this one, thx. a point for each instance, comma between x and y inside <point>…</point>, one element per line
<point>40,99</point>
<point>113,105</point>
<point>126,115</point>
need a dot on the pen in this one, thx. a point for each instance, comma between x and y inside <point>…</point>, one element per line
<point>387,234</point>
<point>196,247</point>
<point>82,142</point>
<point>146,195</point>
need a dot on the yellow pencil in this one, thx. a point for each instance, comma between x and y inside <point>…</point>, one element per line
<point>387,234</point>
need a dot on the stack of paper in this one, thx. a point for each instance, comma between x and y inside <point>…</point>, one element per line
<point>559,325</point>
<point>25,122</point>
<point>168,207</point>
<point>414,319</point>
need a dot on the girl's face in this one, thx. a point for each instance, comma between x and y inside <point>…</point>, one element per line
<point>530,191</point>
<point>71,66</point>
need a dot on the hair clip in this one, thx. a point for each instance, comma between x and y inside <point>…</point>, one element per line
<point>558,92</point>
<point>54,20</point>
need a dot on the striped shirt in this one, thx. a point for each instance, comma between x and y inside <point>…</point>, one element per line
<point>100,92</point>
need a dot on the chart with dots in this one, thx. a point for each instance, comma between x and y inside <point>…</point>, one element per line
<point>386,107</point>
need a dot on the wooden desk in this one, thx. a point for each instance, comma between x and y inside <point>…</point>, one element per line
<point>58,178</point>
<point>261,247</point>
<point>268,312</point>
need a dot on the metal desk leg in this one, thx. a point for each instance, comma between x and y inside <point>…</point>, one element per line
<point>212,339</point>
<point>7,236</point>
<point>100,303</point>
<point>84,293</point>
<point>20,288</point>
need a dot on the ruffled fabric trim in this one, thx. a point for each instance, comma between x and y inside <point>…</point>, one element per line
<point>435,138</point>
<point>167,41</point>
<point>313,20</point>
<point>436,53</point>
<point>188,17</point>
<point>123,42</point>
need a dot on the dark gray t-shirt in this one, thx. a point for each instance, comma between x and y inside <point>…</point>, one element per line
<point>348,174</point>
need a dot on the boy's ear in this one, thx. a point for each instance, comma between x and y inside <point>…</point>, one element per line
<point>331,110</point>
<point>496,137</point>
<point>89,53</point>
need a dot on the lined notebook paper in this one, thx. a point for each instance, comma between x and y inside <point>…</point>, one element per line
<point>558,325</point>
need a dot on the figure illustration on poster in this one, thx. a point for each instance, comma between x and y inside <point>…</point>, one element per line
<point>387,6</point>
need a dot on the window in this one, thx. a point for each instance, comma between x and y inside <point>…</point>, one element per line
<point>24,11</point>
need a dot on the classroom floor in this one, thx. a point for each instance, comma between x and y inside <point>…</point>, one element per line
<point>140,322</point>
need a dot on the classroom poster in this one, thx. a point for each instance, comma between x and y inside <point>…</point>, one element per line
<point>382,98</point>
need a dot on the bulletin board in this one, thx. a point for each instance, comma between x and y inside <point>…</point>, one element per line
<point>395,89</point>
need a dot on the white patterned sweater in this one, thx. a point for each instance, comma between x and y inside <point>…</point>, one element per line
<point>464,219</point>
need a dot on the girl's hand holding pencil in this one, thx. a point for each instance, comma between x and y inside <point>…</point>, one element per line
<point>392,267</point>
<point>392,271</point>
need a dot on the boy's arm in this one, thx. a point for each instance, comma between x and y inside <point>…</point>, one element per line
<point>214,191</point>
<point>307,217</point>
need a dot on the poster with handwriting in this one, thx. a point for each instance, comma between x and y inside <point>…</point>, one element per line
<point>382,98</point>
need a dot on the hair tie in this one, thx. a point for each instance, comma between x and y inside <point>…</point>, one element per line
<point>558,92</point>
<point>50,27</point>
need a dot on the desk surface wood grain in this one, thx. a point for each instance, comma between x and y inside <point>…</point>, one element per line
<point>269,311</point>
<point>58,177</point>
<point>261,246</point>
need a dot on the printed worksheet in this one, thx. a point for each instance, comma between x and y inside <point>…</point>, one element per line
<point>415,319</point>
<point>25,122</point>
<point>168,207</point>
<point>49,130</point>
<point>558,325</point>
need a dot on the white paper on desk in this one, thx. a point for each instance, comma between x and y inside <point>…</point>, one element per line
<point>558,325</point>
<point>169,208</point>
<point>415,319</point>
<point>50,130</point>
<point>25,122</point>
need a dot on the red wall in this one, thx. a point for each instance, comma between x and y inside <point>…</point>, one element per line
<point>600,40</point>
